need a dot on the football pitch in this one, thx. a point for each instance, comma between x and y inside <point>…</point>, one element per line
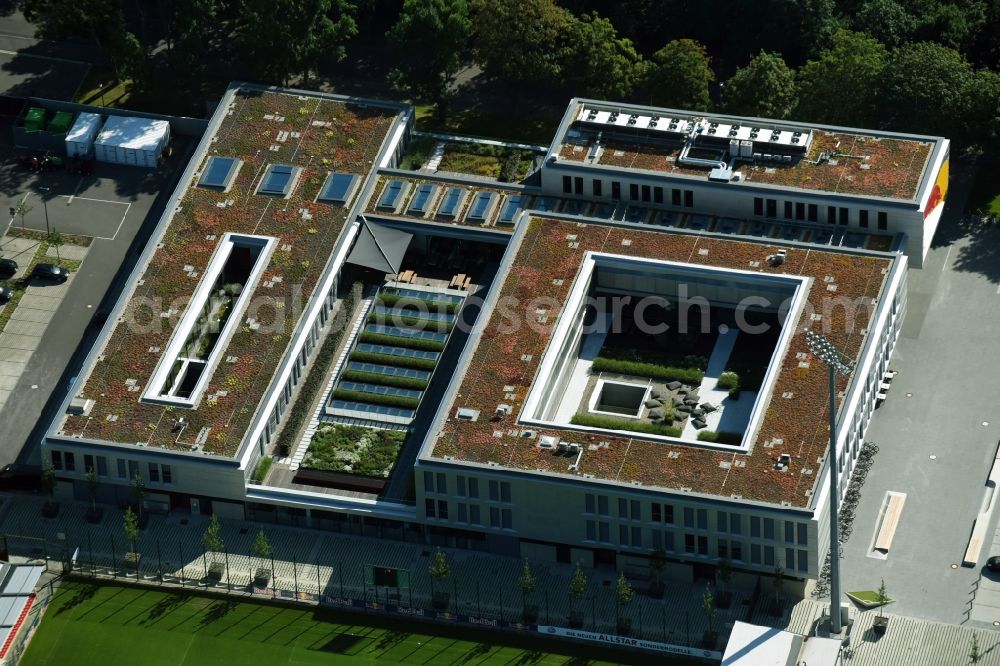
<point>110,625</point>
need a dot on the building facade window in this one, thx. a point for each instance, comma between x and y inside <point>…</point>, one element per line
<point>473,488</point>
<point>863,218</point>
<point>460,486</point>
<point>616,190</point>
<point>657,195</point>
<point>800,210</point>
<point>772,208</point>
<point>589,505</point>
<point>646,194</point>
<point>57,463</point>
<point>474,514</point>
<point>883,221</point>
<point>845,216</point>
<point>689,198</point>
<point>443,509</point>
<point>102,466</point>
<point>788,210</point>
<point>598,187</point>
<point>591,530</point>
<point>758,206</point>
<point>429,508</point>
<point>633,191</point>
<point>578,185</point>
<point>602,505</point>
<point>813,212</point>
<point>675,197</point>
<point>154,472</point>
<point>831,214</point>
<point>567,185</point>
<point>122,472</point>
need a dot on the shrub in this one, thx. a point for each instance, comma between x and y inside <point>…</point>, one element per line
<point>401,319</point>
<point>509,166</point>
<point>263,466</point>
<point>343,448</point>
<point>728,380</point>
<point>721,437</point>
<point>402,341</point>
<point>384,380</point>
<point>315,380</point>
<point>639,369</point>
<point>376,398</point>
<point>611,423</point>
<point>391,359</point>
<point>390,300</point>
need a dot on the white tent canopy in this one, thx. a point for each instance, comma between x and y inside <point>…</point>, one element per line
<point>131,140</point>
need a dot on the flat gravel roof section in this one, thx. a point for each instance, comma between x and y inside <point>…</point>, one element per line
<point>503,367</point>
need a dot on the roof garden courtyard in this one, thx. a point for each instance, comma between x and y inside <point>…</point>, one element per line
<point>662,350</point>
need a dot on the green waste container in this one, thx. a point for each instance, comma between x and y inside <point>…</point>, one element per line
<point>61,122</point>
<point>35,119</point>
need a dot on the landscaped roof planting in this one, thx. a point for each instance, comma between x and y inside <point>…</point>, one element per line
<point>314,134</point>
<point>861,165</point>
<point>504,364</point>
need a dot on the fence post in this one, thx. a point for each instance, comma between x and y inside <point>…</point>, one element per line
<point>319,588</point>
<point>340,565</point>
<point>90,550</point>
<point>454,587</point>
<point>180,550</point>
<point>500,588</point>
<point>159,561</point>
<point>229,582</point>
<point>295,575</point>
<point>274,576</point>
<point>114,559</point>
<point>546,607</point>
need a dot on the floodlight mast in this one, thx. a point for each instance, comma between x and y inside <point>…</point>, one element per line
<point>824,350</point>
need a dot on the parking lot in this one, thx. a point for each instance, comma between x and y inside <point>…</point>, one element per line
<point>112,206</point>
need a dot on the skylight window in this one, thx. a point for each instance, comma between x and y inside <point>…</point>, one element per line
<point>219,173</point>
<point>338,188</point>
<point>451,203</point>
<point>278,180</point>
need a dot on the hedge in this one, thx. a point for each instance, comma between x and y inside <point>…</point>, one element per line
<point>392,359</point>
<point>315,380</point>
<point>376,398</point>
<point>422,344</point>
<point>721,437</point>
<point>263,466</point>
<point>728,380</point>
<point>391,300</point>
<point>611,423</point>
<point>384,380</point>
<point>399,319</point>
<point>662,372</point>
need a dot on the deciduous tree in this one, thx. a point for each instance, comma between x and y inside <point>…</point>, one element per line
<point>765,87</point>
<point>678,76</point>
<point>597,62</point>
<point>286,37</point>
<point>427,42</point>
<point>841,85</point>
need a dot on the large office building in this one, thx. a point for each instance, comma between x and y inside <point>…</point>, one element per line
<point>608,358</point>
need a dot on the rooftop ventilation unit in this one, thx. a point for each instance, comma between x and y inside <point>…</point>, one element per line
<point>547,441</point>
<point>467,414</point>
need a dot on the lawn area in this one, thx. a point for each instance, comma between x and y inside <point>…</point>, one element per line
<point>985,194</point>
<point>107,625</point>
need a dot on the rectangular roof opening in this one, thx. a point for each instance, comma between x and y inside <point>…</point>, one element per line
<point>451,203</point>
<point>219,173</point>
<point>278,180</point>
<point>422,199</point>
<point>338,188</point>
<point>393,195</point>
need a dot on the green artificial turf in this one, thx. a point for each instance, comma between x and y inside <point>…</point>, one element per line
<point>106,625</point>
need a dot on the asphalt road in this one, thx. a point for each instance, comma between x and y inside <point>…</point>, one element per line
<point>937,432</point>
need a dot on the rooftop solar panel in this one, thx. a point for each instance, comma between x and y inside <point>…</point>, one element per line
<point>219,172</point>
<point>338,188</point>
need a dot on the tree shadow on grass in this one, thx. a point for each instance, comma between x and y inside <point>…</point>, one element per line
<point>390,639</point>
<point>216,612</point>
<point>83,594</point>
<point>162,607</point>
<point>478,652</point>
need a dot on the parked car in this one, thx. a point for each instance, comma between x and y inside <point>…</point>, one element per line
<point>993,564</point>
<point>7,267</point>
<point>17,476</point>
<point>5,294</point>
<point>50,272</point>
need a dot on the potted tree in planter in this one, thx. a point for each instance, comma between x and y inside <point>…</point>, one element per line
<point>881,622</point>
<point>262,550</point>
<point>778,582</point>
<point>130,525</point>
<point>708,608</point>
<point>527,584</point>
<point>94,513</point>
<point>657,563</point>
<point>139,497</point>
<point>724,599</point>
<point>212,540</point>
<point>577,588</point>
<point>51,508</point>
<point>623,597</point>
<point>439,571</point>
